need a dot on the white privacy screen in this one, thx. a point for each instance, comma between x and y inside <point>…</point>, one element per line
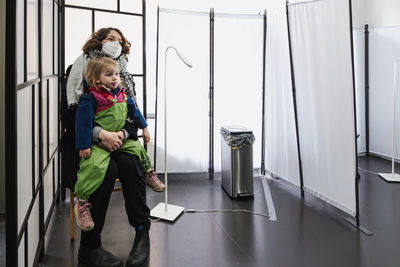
<point>280,133</point>
<point>384,51</point>
<point>187,93</point>
<point>238,79</point>
<point>321,48</point>
<point>359,68</point>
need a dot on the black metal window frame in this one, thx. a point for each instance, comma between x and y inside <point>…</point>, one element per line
<point>47,160</point>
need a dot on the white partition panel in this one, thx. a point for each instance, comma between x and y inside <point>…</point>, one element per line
<point>359,67</point>
<point>320,36</point>
<point>33,238</point>
<point>48,189</point>
<point>47,33</point>
<point>280,133</point>
<point>20,41</point>
<point>187,93</point>
<point>24,137</point>
<point>384,51</point>
<point>103,4</point>
<point>77,32</point>
<point>238,79</point>
<point>32,59</point>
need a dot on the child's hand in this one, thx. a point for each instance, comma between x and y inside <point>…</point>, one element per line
<point>146,135</point>
<point>84,153</point>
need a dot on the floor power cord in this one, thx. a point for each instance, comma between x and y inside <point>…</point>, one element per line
<point>210,211</point>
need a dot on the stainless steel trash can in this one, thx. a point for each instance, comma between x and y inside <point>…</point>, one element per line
<point>237,161</point>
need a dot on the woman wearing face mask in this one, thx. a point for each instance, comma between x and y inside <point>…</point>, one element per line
<point>110,42</point>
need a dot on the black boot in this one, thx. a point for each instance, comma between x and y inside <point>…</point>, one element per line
<point>140,252</point>
<point>98,257</point>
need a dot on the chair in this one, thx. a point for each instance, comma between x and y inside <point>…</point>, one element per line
<point>72,214</point>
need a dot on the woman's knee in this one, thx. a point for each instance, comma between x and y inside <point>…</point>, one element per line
<point>129,163</point>
<point>112,170</point>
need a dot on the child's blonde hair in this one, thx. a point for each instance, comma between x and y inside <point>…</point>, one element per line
<point>94,68</point>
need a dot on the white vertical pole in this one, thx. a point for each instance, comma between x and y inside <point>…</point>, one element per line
<point>394,115</point>
<point>174,211</point>
<point>165,131</point>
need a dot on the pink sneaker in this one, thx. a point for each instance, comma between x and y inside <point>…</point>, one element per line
<point>83,216</point>
<point>153,181</point>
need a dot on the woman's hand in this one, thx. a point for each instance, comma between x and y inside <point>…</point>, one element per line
<point>110,141</point>
<point>146,135</point>
<point>84,153</point>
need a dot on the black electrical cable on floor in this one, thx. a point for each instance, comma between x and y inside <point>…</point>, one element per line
<point>209,211</point>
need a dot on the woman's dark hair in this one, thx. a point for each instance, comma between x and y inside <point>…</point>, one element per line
<point>94,43</point>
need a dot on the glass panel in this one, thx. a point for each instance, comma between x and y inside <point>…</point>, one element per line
<point>47,39</point>
<point>32,40</point>
<point>139,92</point>
<point>78,27</point>
<point>150,145</point>
<point>55,38</point>
<point>131,27</point>
<point>53,115</point>
<point>24,151</point>
<point>20,41</point>
<point>21,253</point>
<point>36,125</point>
<point>131,6</point>
<point>56,159</point>
<point>104,4</point>
<point>48,189</point>
<point>33,233</point>
<point>44,122</point>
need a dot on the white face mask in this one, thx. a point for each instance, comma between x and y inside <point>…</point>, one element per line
<point>112,49</point>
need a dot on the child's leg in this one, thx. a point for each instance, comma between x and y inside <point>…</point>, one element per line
<point>90,177</point>
<point>135,148</point>
<point>91,172</point>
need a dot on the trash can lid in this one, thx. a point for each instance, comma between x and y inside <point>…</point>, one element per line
<point>233,130</point>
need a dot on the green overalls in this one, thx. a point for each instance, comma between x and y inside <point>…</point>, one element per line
<point>93,169</point>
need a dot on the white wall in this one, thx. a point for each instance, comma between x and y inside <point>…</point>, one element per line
<point>383,13</point>
<point>2,107</point>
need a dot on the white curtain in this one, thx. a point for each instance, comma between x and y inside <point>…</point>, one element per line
<point>384,51</point>
<point>238,79</point>
<point>187,93</point>
<point>320,35</point>
<point>359,67</point>
<point>280,134</point>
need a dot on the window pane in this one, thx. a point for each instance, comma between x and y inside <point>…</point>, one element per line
<point>78,27</point>
<point>24,151</point>
<point>32,40</point>
<point>131,6</point>
<point>47,43</point>
<point>53,115</point>
<point>20,41</point>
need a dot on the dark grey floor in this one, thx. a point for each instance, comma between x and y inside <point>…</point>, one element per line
<point>308,231</point>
